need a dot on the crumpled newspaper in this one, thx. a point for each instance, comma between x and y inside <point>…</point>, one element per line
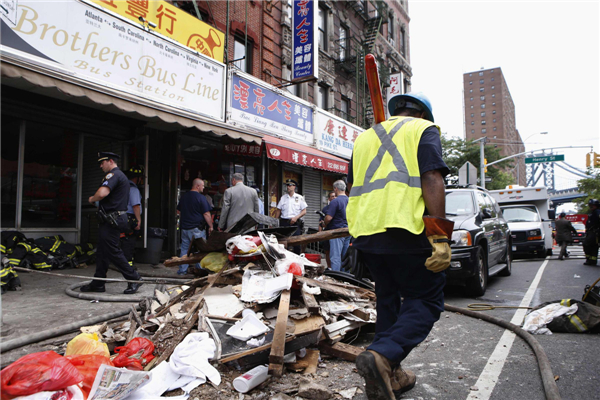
<point>536,321</point>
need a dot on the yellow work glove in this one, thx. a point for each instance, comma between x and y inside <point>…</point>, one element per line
<point>439,232</point>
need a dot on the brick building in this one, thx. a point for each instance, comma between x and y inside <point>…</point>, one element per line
<point>490,112</point>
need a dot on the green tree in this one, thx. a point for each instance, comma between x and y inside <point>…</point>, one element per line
<point>457,151</point>
<point>591,186</point>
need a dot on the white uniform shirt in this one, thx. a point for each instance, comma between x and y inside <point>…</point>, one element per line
<point>291,206</point>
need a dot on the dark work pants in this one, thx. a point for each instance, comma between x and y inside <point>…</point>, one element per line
<point>128,241</point>
<point>109,251</point>
<point>403,324</point>
<point>300,225</point>
<point>590,247</point>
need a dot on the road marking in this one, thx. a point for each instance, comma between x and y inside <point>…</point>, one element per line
<point>490,374</point>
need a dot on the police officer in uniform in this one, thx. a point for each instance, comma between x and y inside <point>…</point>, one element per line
<point>113,196</point>
<point>592,233</point>
<point>396,213</point>
<point>134,213</point>
<point>291,209</point>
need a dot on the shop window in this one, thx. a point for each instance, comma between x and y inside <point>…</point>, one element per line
<point>9,170</point>
<point>243,54</point>
<point>49,177</point>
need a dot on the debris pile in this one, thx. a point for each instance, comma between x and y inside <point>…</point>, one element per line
<point>259,305</point>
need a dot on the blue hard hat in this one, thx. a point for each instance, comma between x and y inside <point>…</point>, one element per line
<point>412,100</point>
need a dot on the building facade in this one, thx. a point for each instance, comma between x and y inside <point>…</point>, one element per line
<point>187,90</point>
<point>490,113</point>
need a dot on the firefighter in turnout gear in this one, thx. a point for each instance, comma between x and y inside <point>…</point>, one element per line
<point>134,213</point>
<point>592,233</point>
<point>112,196</point>
<point>396,213</point>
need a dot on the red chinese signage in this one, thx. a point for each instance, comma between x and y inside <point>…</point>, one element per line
<point>282,150</point>
<point>253,150</point>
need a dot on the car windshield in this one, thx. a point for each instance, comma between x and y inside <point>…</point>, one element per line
<point>459,203</point>
<point>579,227</point>
<point>521,214</point>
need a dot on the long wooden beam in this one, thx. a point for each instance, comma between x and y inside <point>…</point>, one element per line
<point>316,237</point>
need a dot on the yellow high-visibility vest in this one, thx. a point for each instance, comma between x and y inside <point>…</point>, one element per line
<point>386,190</point>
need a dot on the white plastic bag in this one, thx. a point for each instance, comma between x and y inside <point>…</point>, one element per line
<point>283,266</point>
<point>74,391</point>
<point>243,244</point>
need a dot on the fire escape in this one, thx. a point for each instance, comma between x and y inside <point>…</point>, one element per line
<point>351,54</point>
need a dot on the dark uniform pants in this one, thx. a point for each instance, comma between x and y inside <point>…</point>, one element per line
<point>109,251</point>
<point>299,224</point>
<point>402,325</point>
<point>128,239</point>
<point>590,247</point>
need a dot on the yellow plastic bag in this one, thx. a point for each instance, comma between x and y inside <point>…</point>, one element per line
<point>87,343</point>
<point>214,261</point>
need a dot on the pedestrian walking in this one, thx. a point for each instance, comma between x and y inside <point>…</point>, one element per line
<point>334,219</point>
<point>592,233</point>
<point>134,214</point>
<point>396,213</point>
<point>238,200</point>
<point>112,197</point>
<point>195,220</point>
<point>290,210</point>
<point>564,228</point>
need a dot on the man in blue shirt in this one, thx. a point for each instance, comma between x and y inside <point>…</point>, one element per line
<point>134,213</point>
<point>336,218</point>
<point>195,218</point>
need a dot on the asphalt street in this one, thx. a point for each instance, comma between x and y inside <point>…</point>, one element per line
<point>455,361</point>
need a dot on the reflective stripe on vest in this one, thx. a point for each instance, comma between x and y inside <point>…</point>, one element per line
<point>386,191</point>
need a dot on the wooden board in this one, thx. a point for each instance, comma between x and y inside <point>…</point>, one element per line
<point>311,304</point>
<point>315,237</point>
<point>346,293</point>
<point>312,357</point>
<point>278,347</point>
<point>341,350</point>
<point>308,324</point>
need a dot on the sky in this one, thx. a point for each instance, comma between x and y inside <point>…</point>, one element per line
<point>549,55</point>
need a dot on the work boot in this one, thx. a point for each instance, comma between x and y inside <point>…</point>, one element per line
<point>90,288</point>
<point>132,288</point>
<point>560,258</point>
<point>403,380</point>
<point>377,372</point>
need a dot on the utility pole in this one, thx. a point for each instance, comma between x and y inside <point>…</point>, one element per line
<point>481,141</point>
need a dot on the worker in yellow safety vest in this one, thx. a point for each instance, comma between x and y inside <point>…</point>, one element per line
<point>396,213</point>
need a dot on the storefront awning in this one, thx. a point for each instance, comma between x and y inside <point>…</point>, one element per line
<point>286,151</point>
<point>106,97</point>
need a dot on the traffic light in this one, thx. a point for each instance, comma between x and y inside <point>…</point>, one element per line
<point>592,160</point>
<point>485,165</point>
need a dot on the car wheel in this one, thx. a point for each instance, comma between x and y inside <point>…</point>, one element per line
<point>477,285</point>
<point>507,271</point>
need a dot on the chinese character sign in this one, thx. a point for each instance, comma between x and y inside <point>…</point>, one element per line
<point>172,22</point>
<point>395,87</point>
<point>267,111</point>
<point>336,135</point>
<point>305,46</point>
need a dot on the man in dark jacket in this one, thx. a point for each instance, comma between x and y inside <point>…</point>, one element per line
<point>563,234</point>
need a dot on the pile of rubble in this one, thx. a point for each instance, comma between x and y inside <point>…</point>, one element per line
<point>260,306</point>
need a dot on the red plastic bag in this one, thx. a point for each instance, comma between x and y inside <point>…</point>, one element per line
<point>38,372</point>
<point>134,356</point>
<point>87,365</point>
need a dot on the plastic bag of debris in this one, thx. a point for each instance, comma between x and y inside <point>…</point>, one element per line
<point>87,343</point>
<point>214,261</point>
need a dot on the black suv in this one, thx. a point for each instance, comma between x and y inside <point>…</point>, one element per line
<point>481,239</point>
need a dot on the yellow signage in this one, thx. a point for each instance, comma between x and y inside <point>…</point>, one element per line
<point>172,22</point>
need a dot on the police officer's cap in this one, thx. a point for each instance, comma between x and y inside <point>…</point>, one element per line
<point>107,155</point>
<point>291,182</point>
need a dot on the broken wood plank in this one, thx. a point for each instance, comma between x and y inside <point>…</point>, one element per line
<point>315,237</point>
<point>341,350</point>
<point>193,259</point>
<point>309,324</point>
<point>187,327</point>
<point>132,328</point>
<point>278,346</point>
<point>347,293</point>
<point>251,351</point>
<point>312,356</point>
<point>309,301</point>
<point>340,328</point>
<point>365,316</point>
<point>136,316</point>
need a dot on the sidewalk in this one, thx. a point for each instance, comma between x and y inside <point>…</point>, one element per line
<point>43,304</point>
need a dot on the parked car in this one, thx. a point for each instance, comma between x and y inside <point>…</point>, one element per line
<point>580,236</point>
<point>482,240</point>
